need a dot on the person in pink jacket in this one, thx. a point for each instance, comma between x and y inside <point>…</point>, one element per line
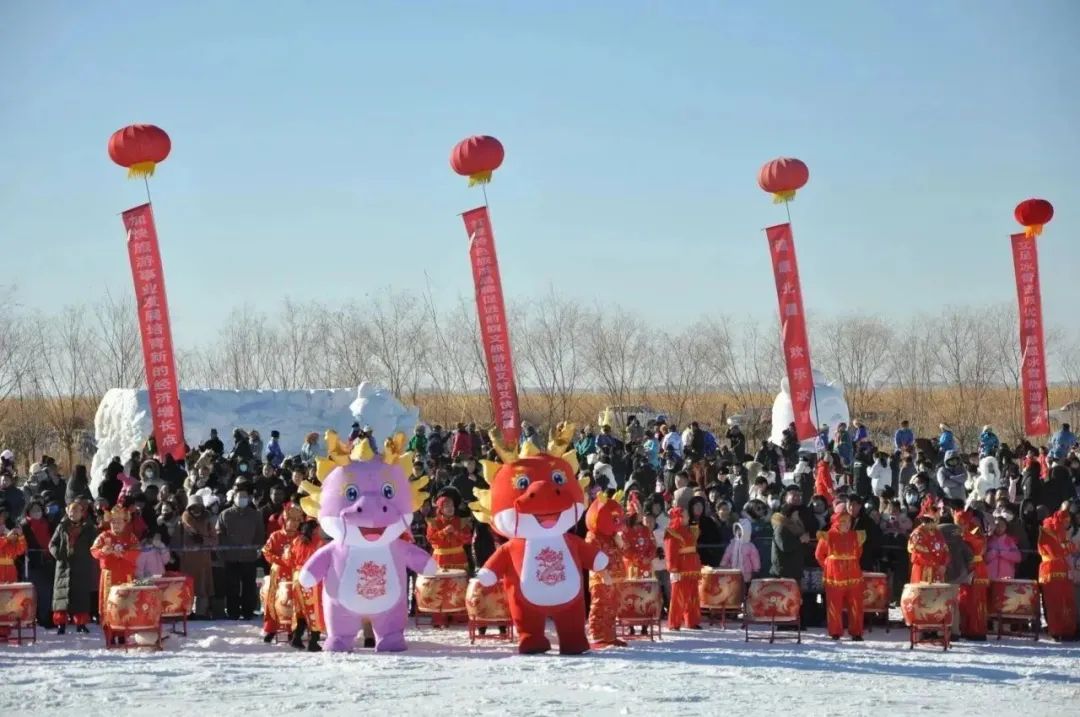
<point>740,553</point>
<point>1002,555</point>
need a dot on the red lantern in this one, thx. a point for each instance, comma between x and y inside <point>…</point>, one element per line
<point>139,147</point>
<point>783,177</point>
<point>1033,213</point>
<point>476,158</point>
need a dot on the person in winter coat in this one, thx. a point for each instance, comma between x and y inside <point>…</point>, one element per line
<point>74,585</point>
<point>1002,554</point>
<point>310,450</point>
<point>154,555</point>
<point>79,486</point>
<point>708,540</point>
<point>110,486</point>
<point>988,442</point>
<point>1057,488</point>
<point>255,443</point>
<point>823,479</point>
<point>844,445</point>
<point>946,441</point>
<point>741,554</point>
<point>241,450</point>
<point>197,535</point>
<point>958,568</point>
<point>952,476</point>
<point>988,478</point>
<point>274,455</point>
<point>880,474</point>
<point>240,528</point>
<point>12,497</point>
<point>737,442</point>
<point>1062,442</point>
<point>41,566</point>
<point>789,539</point>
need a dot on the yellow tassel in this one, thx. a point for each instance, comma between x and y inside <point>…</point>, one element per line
<point>1033,231</point>
<point>785,196</point>
<point>141,169</point>
<point>479,178</point>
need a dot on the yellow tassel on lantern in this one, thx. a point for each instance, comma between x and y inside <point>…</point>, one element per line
<point>785,196</point>
<point>479,178</point>
<point>1033,231</point>
<point>141,169</point>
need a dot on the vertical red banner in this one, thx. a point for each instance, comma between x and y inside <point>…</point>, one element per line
<point>1032,344</point>
<point>494,332</point>
<point>793,327</point>
<point>161,383</point>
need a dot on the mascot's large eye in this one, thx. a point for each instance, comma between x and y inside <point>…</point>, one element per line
<point>521,482</point>
<point>351,494</point>
<point>558,478</point>
<point>388,490</point>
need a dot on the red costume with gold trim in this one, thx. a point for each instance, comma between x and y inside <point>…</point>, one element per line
<point>307,604</point>
<point>972,598</point>
<point>639,543</point>
<point>448,538</point>
<point>604,521</point>
<point>275,552</point>
<point>534,501</point>
<point>927,547</point>
<point>839,551</point>
<point>116,550</point>
<point>12,546</point>
<point>1054,549</point>
<point>684,565</point>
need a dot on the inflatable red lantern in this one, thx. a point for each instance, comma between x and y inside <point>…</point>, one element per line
<point>139,147</point>
<point>783,177</point>
<point>1033,214</point>
<point>476,158</point>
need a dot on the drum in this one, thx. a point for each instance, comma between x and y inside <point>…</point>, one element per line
<point>487,605</point>
<point>135,611</point>
<point>18,604</point>
<point>443,592</point>
<point>928,605</point>
<point>720,589</point>
<point>283,602</point>
<point>876,592</point>
<point>773,600</point>
<point>1014,599</point>
<point>639,600</point>
<point>177,595</point>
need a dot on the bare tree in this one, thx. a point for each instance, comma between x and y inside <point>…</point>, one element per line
<point>118,345</point>
<point>65,353</point>
<point>549,337</point>
<point>855,351</point>
<point>619,350</point>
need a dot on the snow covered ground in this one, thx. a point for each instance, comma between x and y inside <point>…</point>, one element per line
<point>224,669</point>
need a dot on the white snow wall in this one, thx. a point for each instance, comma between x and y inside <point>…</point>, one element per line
<point>122,422</point>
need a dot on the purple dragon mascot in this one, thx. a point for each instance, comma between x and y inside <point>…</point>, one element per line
<point>364,504</point>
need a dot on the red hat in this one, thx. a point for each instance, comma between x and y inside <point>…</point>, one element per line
<point>1057,522</point>
<point>443,500</point>
<point>676,518</point>
<point>929,508</point>
<point>838,516</point>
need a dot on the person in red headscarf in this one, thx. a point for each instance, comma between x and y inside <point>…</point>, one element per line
<point>448,534</point>
<point>838,551</point>
<point>823,480</point>
<point>1054,549</point>
<point>639,543</point>
<point>972,597</point>
<point>117,551</point>
<point>927,547</point>
<point>604,521</point>
<point>275,553</point>
<point>684,567</point>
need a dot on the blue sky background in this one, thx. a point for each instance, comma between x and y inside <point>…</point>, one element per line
<point>310,146</point>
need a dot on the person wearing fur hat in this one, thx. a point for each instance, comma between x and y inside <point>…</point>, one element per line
<point>73,586</point>
<point>926,546</point>
<point>274,552</point>
<point>973,595</point>
<point>117,551</point>
<point>639,542</point>
<point>1054,549</point>
<point>838,551</point>
<point>684,568</point>
<point>197,536</point>
<point>741,553</point>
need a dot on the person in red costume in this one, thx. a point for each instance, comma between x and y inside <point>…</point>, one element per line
<point>449,534</point>
<point>274,552</point>
<point>604,521</point>
<point>838,551</point>
<point>116,550</point>
<point>534,501</point>
<point>972,597</point>
<point>684,567</point>
<point>1058,599</point>
<point>307,604</point>
<point>12,546</point>
<point>926,546</point>
<point>823,480</point>
<point>639,543</point>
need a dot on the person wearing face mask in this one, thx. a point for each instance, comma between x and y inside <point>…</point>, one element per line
<point>240,528</point>
<point>37,529</point>
<point>197,536</point>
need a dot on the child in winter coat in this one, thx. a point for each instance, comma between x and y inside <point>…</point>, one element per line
<point>1002,554</point>
<point>741,554</point>
<point>153,556</point>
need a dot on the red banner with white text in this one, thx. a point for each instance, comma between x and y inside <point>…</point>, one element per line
<point>793,328</point>
<point>1032,344</point>
<point>161,382</point>
<point>494,332</point>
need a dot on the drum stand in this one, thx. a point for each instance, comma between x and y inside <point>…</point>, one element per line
<point>711,611</point>
<point>918,636</point>
<point>506,625</point>
<point>651,627</point>
<point>18,631</point>
<point>127,638</point>
<point>772,623</point>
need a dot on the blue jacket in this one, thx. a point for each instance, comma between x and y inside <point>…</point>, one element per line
<point>274,454</point>
<point>710,444</point>
<point>903,437</point>
<point>988,443</point>
<point>946,442</point>
<point>1061,442</point>
<point>606,440</point>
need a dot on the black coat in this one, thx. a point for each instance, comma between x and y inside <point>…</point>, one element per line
<point>788,555</point>
<point>871,549</point>
<point>74,584</point>
<point>710,542</point>
<point>109,489</point>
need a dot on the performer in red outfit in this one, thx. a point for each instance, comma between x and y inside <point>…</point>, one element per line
<point>639,542</point>
<point>604,521</point>
<point>116,550</point>
<point>927,547</point>
<point>533,502</point>
<point>274,552</point>
<point>307,604</point>
<point>1058,599</point>
<point>823,481</point>
<point>972,598</point>
<point>684,566</point>
<point>838,551</point>
<point>448,535</point>
<point>12,546</point>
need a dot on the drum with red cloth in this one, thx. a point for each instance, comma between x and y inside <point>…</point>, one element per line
<point>639,605</point>
<point>488,607</point>
<point>928,608</point>
<point>773,601</point>
<point>133,613</point>
<point>721,591</point>
<point>177,598</point>
<point>1015,602</point>
<point>18,612</point>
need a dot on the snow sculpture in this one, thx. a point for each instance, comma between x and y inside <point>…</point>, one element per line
<point>379,409</point>
<point>831,408</point>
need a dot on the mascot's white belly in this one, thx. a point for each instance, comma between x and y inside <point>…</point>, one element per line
<point>369,581</point>
<point>549,575</point>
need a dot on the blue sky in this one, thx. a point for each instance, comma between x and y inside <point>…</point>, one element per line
<point>310,146</point>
